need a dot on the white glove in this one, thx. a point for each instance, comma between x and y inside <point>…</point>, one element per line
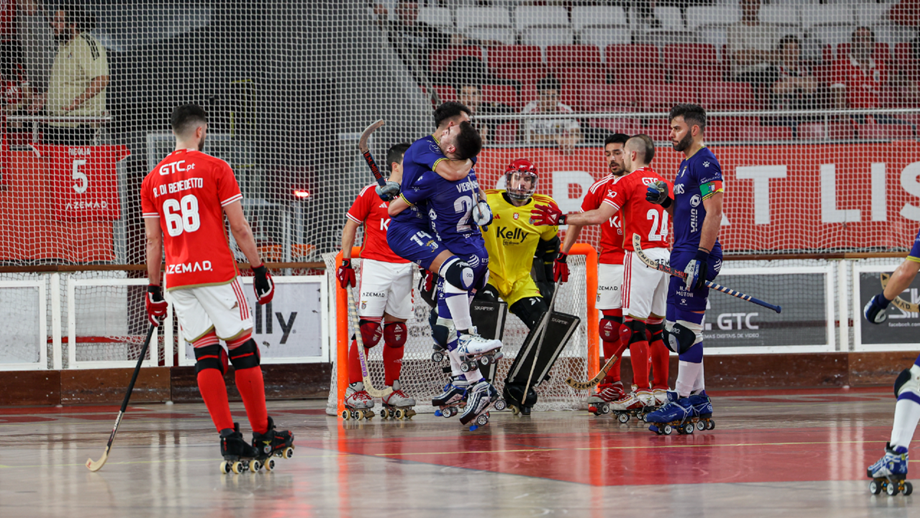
<point>482,214</point>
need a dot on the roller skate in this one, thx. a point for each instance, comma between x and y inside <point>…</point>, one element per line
<point>452,399</point>
<point>358,403</point>
<point>676,414</point>
<point>513,396</point>
<point>480,398</point>
<point>238,455</point>
<point>272,443</point>
<point>661,397</point>
<point>702,411</point>
<point>475,350</point>
<point>635,404</point>
<point>439,353</point>
<point>397,404</point>
<point>599,402</point>
<point>889,472</point>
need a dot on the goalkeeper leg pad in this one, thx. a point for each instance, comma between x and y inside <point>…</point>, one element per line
<point>530,310</point>
<point>558,332</point>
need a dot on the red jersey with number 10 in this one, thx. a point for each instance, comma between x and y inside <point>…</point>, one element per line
<point>612,229</point>
<point>640,216</point>
<point>369,210</point>
<point>187,191</point>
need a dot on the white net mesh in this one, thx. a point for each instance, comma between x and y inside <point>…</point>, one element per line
<point>422,379</point>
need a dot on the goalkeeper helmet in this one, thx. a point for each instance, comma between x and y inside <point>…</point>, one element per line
<point>520,179</point>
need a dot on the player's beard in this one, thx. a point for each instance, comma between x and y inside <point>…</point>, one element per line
<point>201,143</point>
<point>684,143</point>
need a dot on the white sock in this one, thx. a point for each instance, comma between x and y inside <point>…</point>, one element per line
<point>454,363</point>
<point>473,376</point>
<point>459,307</point>
<point>687,375</point>
<point>699,384</point>
<point>906,415</point>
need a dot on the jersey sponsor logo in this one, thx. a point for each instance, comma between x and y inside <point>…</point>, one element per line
<point>694,221</point>
<point>86,205</point>
<point>517,235</point>
<point>678,188</point>
<point>375,294</point>
<point>174,167</point>
<point>384,224</point>
<point>648,181</point>
<point>695,200</point>
<point>203,266</point>
<point>601,287</point>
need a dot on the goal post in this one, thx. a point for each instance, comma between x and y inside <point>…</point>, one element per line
<point>422,378</point>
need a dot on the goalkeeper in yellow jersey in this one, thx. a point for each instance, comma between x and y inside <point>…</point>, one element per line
<point>516,247</point>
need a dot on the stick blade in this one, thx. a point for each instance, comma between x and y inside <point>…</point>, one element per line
<point>368,131</point>
<point>96,465</point>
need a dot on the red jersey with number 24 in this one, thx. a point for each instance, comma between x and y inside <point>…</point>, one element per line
<point>640,216</point>
<point>611,230</point>
<point>369,210</point>
<point>187,191</point>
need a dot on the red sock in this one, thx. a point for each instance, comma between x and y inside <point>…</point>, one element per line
<point>354,363</point>
<point>252,389</point>
<point>392,363</point>
<point>638,355</point>
<point>214,392</point>
<point>660,364</point>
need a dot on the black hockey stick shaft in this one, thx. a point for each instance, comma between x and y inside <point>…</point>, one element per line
<point>374,169</point>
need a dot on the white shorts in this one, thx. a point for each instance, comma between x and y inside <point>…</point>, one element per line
<point>385,288</point>
<point>223,308</point>
<point>609,282</point>
<point>645,291</point>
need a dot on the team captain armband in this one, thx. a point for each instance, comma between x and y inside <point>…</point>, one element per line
<point>708,189</point>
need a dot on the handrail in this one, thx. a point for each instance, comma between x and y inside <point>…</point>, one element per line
<point>738,113</point>
<point>36,119</point>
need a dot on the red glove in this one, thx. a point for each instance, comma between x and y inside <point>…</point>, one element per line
<point>547,215</point>
<point>262,284</point>
<point>346,274</point>
<point>561,268</point>
<point>428,280</point>
<point>156,306</point>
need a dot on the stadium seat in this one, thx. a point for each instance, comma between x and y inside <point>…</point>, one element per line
<point>627,126</point>
<point>692,63</point>
<point>500,33</point>
<point>561,55</point>
<point>588,16</point>
<point>813,15</point>
<point>905,62</point>
<point>526,75</point>
<point>727,96</point>
<point>583,74</point>
<point>530,16</point>
<point>661,97</point>
<point>670,18</point>
<point>472,16</point>
<point>701,16</point>
<point>547,35</point>
<point>779,15</point>
<point>657,129</point>
<point>603,36</point>
<point>569,96</point>
<point>502,94</point>
<point>445,92</point>
<point>514,55</point>
<point>609,98</point>
<point>884,131</point>
<point>715,35</point>
<point>764,133</point>
<point>436,17</point>
<point>439,60</point>
<point>505,133</point>
<point>634,63</point>
<point>816,131</point>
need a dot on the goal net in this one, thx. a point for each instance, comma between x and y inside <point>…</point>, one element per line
<point>423,379</point>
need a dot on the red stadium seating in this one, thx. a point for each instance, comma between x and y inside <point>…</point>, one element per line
<point>884,131</point>
<point>661,97</point>
<point>764,133</point>
<point>503,94</point>
<point>514,56</point>
<point>562,55</point>
<point>835,130</point>
<point>580,75</point>
<point>528,74</point>
<point>609,98</point>
<point>445,92</point>
<point>692,63</point>
<point>636,64</point>
<point>657,129</point>
<point>881,53</point>
<point>627,126</point>
<point>727,96</point>
<point>568,96</point>
<point>505,133</point>
<point>438,61</point>
<point>905,62</point>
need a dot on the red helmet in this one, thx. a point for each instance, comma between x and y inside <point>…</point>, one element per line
<point>527,171</point>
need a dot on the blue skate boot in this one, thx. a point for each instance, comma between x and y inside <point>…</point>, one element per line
<point>677,414</point>
<point>480,398</point>
<point>702,410</point>
<point>889,472</point>
<point>452,399</point>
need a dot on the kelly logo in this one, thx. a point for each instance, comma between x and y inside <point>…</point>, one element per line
<point>286,324</point>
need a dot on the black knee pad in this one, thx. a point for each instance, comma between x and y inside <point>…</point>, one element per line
<point>245,356</point>
<point>679,339</point>
<point>529,310</point>
<point>657,331</point>
<point>902,378</point>
<point>638,331</point>
<point>211,357</point>
<point>439,333</point>
<point>487,294</point>
<point>459,275</point>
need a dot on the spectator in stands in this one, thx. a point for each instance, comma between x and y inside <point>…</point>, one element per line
<point>412,39</point>
<point>859,81</point>
<point>79,78</point>
<point>750,45</point>
<point>644,11</point>
<point>796,88</point>
<point>470,93</point>
<point>564,132</point>
<point>37,42</point>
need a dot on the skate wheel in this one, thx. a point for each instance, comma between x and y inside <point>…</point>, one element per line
<point>667,429</point>
<point>345,415</point>
<point>623,418</point>
<point>237,467</point>
<point>288,452</point>
<point>908,488</point>
<point>437,357</point>
<point>225,467</point>
<point>875,488</point>
<point>465,367</point>
<point>254,466</point>
<point>891,489</point>
<point>501,405</point>
<point>400,414</point>
<point>701,426</point>
<point>269,465</point>
<point>368,414</point>
<point>688,428</point>
<point>485,361</point>
<point>383,414</point>
<point>710,425</point>
<point>604,408</point>
<point>482,420</point>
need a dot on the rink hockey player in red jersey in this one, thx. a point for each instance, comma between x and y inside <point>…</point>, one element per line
<point>184,201</point>
<point>384,296</point>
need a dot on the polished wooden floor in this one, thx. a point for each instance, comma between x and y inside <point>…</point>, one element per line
<point>773,453</point>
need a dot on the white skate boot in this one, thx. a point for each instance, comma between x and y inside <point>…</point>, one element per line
<point>397,404</point>
<point>599,402</point>
<point>635,404</point>
<point>358,403</point>
<point>473,349</point>
<point>661,397</point>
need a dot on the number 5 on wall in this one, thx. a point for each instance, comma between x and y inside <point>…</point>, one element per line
<point>80,177</point>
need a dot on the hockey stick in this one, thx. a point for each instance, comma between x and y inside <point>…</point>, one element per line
<point>591,383</point>
<point>637,245</point>
<point>353,317</point>
<point>541,332</point>
<point>903,305</point>
<point>366,151</point>
<point>96,465</point>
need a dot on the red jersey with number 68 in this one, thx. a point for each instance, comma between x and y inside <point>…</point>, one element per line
<point>611,230</point>
<point>371,212</point>
<point>187,191</point>
<point>640,216</point>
